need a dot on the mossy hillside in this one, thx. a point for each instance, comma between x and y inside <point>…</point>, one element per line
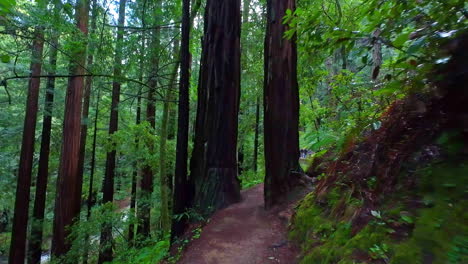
<point>399,232</point>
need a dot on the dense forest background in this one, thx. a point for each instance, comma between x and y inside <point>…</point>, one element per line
<point>108,91</point>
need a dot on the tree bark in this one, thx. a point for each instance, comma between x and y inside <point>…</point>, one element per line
<point>182,191</point>
<point>281,106</point>
<point>133,199</point>
<point>165,180</point>
<point>144,204</point>
<point>84,128</point>
<point>68,197</point>
<point>20,218</point>
<point>35,240</point>
<point>214,161</point>
<point>105,252</point>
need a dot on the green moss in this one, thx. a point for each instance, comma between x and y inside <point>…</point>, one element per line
<point>440,232</point>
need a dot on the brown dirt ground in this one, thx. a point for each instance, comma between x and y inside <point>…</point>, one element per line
<point>244,233</point>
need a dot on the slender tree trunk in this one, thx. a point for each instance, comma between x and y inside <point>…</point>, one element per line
<point>214,161</point>
<point>87,93</point>
<point>68,197</point>
<point>131,229</point>
<point>144,204</point>
<point>281,106</point>
<point>106,241</point>
<point>35,241</point>
<point>20,218</point>
<point>257,123</point>
<point>91,201</point>
<point>165,180</point>
<point>182,191</point>
<point>84,126</point>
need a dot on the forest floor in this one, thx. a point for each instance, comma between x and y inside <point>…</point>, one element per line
<point>245,233</point>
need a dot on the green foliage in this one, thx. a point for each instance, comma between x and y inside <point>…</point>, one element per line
<point>154,253</point>
<point>250,178</point>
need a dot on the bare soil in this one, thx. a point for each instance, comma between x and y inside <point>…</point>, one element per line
<point>244,233</point>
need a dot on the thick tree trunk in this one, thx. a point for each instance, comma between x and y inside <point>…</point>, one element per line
<point>281,106</point>
<point>182,191</point>
<point>20,218</point>
<point>105,252</point>
<point>214,161</point>
<point>35,241</point>
<point>68,197</point>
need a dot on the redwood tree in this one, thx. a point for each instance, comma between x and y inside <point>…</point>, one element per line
<point>69,182</point>
<point>20,218</point>
<point>182,190</point>
<point>105,253</point>
<point>214,161</point>
<point>281,106</point>
<point>35,239</point>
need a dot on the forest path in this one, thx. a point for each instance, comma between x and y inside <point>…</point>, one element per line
<point>244,233</point>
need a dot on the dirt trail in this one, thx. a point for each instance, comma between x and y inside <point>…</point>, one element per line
<point>244,233</point>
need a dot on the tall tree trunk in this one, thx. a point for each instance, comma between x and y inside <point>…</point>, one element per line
<point>144,204</point>
<point>69,183</point>
<point>131,228</point>
<point>87,94</point>
<point>257,121</point>
<point>165,181</point>
<point>281,106</point>
<point>84,126</point>
<point>91,201</point>
<point>214,161</point>
<point>106,241</point>
<point>35,240</point>
<point>20,218</point>
<point>182,191</point>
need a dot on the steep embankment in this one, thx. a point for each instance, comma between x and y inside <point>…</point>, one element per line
<point>399,196</point>
<point>243,233</point>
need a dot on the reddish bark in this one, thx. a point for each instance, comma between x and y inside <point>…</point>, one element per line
<point>69,182</point>
<point>214,158</point>
<point>20,218</point>
<point>35,240</point>
<point>281,106</point>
